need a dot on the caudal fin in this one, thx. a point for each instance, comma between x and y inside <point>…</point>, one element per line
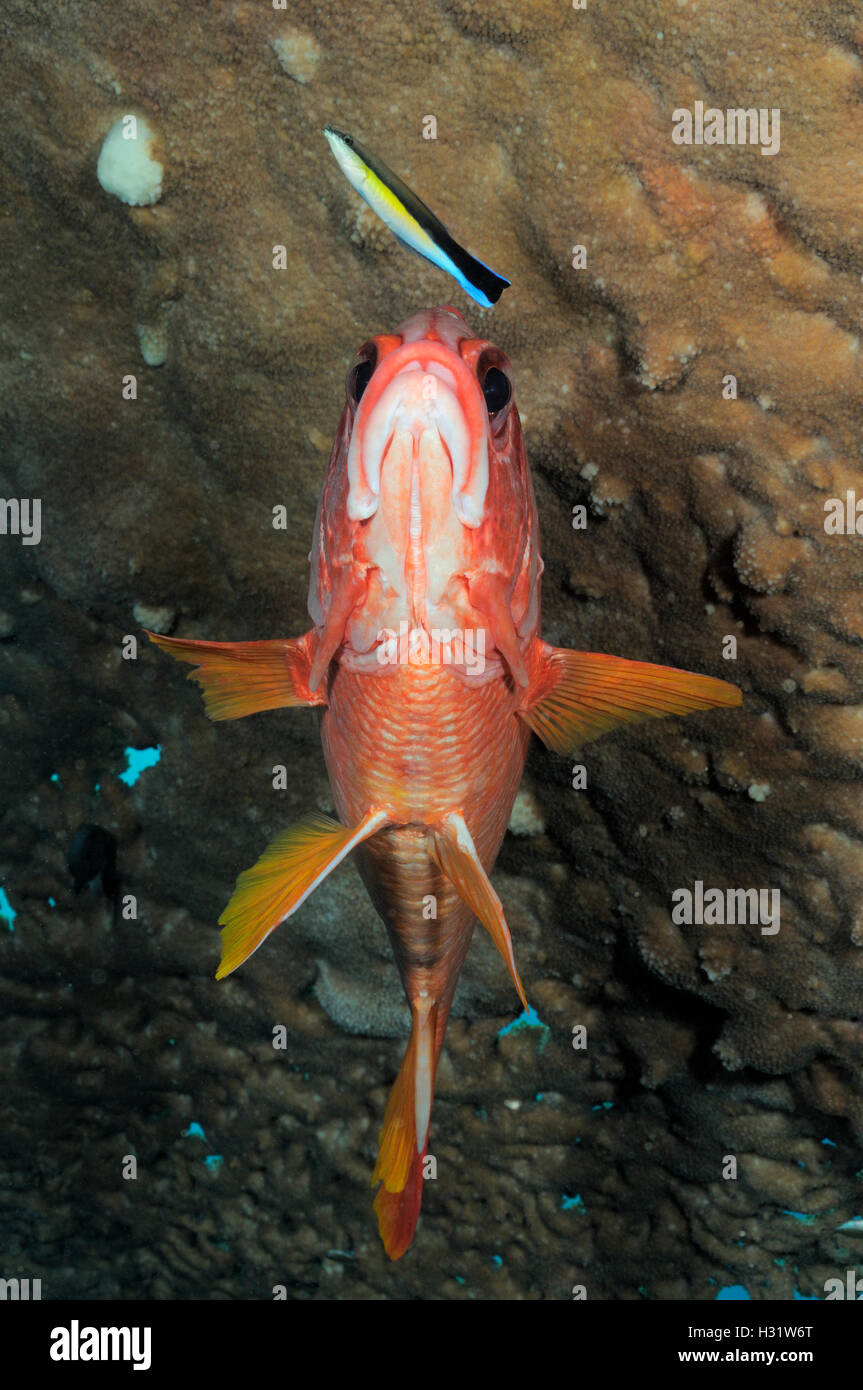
<point>404,1135</point>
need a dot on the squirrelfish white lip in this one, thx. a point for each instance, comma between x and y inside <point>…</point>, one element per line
<point>415,401</point>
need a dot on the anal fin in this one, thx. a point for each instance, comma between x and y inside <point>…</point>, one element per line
<point>580,695</point>
<point>286,873</point>
<point>240,678</point>
<point>457,856</point>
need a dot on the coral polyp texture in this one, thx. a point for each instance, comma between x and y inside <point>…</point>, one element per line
<point>683,326</point>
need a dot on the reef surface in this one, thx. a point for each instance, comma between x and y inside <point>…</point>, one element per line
<point>705,519</point>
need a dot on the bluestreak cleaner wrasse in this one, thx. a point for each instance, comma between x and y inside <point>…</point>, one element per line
<point>410,221</point>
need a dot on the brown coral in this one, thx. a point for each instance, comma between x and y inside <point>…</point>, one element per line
<point>705,521</point>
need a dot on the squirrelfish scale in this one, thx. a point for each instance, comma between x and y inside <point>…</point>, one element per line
<point>426,526</point>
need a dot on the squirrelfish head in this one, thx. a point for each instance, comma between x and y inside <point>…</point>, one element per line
<point>427,515</point>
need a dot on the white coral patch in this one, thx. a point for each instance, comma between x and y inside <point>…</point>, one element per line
<point>128,167</point>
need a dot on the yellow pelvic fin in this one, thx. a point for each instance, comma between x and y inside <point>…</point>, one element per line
<point>284,876</point>
<point>580,695</point>
<point>457,856</point>
<point>240,678</point>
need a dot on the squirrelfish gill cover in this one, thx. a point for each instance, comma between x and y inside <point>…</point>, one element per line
<point>428,670</point>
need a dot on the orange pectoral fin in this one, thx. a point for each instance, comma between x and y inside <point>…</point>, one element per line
<point>580,695</point>
<point>458,859</point>
<point>240,678</point>
<point>284,876</point>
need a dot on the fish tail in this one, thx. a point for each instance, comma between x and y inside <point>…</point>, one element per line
<point>488,281</point>
<point>404,1135</point>
<point>476,278</point>
<point>398,1212</point>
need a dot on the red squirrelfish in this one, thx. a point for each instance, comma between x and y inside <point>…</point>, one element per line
<point>426,663</point>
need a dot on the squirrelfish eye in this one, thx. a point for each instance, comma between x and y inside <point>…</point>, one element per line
<point>358,379</point>
<point>497,390</point>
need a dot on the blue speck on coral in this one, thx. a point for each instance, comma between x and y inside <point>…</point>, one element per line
<point>194,1132</point>
<point>213,1161</point>
<point>853,1225</point>
<point>572,1203</point>
<point>7,911</point>
<point>733,1291</point>
<point>528,1018</point>
<point>139,759</point>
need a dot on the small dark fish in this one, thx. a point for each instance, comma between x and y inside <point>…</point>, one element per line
<point>91,855</point>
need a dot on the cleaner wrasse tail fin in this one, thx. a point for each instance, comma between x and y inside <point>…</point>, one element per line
<point>240,678</point>
<point>580,695</point>
<point>459,861</point>
<point>286,873</point>
<point>404,1135</point>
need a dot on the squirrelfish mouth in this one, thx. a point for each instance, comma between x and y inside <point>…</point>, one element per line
<point>421,397</point>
